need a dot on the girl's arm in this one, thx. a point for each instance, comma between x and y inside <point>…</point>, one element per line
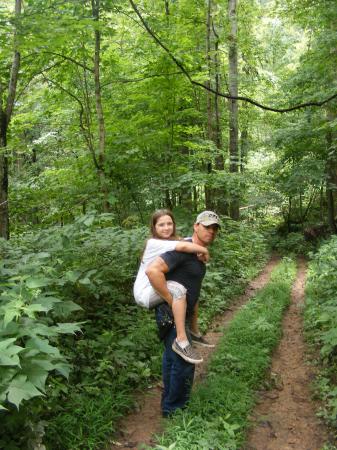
<point>189,247</point>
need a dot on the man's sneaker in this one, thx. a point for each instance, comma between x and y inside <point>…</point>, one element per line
<point>200,340</point>
<point>188,353</point>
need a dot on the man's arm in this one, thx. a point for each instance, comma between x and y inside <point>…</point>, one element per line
<point>190,247</point>
<point>156,274</point>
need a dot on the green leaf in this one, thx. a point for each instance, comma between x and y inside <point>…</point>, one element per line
<point>63,369</point>
<point>72,275</point>
<point>34,283</point>
<point>67,328</point>
<point>44,364</point>
<point>43,346</point>
<point>65,308</point>
<point>9,353</point>
<point>42,255</point>
<point>33,308</point>
<point>21,389</point>
<point>36,375</point>
<point>10,314</point>
<point>33,328</point>
<point>89,221</point>
<point>47,302</point>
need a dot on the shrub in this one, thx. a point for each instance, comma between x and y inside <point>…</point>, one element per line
<point>321,324</point>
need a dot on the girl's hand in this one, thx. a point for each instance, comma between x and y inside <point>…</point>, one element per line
<point>204,257</point>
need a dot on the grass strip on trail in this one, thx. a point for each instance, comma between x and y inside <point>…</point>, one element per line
<point>217,416</point>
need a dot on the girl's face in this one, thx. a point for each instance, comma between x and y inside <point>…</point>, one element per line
<point>164,227</point>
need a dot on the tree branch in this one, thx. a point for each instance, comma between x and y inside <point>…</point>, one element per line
<point>221,94</point>
<point>84,131</point>
<point>145,77</point>
<point>69,58</point>
<point>35,74</point>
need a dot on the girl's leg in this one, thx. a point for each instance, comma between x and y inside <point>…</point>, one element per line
<point>181,344</point>
<point>179,314</point>
<point>179,305</point>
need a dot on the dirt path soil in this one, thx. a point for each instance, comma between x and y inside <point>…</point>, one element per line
<point>139,427</point>
<point>285,416</point>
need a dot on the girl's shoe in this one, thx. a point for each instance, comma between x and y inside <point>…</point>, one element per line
<point>187,353</point>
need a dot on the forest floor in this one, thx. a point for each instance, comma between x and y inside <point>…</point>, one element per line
<point>139,427</point>
<point>284,418</point>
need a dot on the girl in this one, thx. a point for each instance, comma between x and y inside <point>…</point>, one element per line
<point>164,239</point>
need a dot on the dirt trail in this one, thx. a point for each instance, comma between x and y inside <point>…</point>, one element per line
<point>139,427</point>
<point>285,416</point>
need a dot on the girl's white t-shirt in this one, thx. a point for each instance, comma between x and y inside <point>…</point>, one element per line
<point>154,248</point>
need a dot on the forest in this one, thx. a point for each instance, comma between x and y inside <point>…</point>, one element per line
<point>111,109</point>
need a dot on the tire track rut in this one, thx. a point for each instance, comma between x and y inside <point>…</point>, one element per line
<point>284,418</point>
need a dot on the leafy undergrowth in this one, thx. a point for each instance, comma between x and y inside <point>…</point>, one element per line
<point>216,417</point>
<point>90,267</point>
<point>292,244</point>
<point>237,256</point>
<point>320,321</point>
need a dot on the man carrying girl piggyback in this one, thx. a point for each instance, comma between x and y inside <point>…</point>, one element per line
<point>164,239</point>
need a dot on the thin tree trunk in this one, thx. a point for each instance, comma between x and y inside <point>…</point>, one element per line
<point>219,162</point>
<point>209,65</point>
<point>244,149</point>
<point>289,215</point>
<point>301,212</point>
<point>4,216</point>
<point>331,171</point>
<point>5,117</point>
<point>168,201</point>
<point>167,9</point>
<point>321,203</point>
<point>221,200</point>
<point>99,109</point>
<point>233,104</point>
<point>209,106</point>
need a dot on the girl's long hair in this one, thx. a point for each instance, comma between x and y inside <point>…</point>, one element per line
<point>154,219</point>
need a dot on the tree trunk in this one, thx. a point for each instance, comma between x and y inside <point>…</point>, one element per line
<point>4,216</point>
<point>5,117</point>
<point>209,132</point>
<point>209,65</point>
<point>167,8</point>
<point>219,162</point>
<point>221,201</point>
<point>233,104</point>
<point>244,149</point>
<point>289,215</point>
<point>99,109</point>
<point>331,170</point>
<point>215,197</point>
<point>321,202</point>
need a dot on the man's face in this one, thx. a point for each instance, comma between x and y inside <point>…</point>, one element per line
<point>205,234</point>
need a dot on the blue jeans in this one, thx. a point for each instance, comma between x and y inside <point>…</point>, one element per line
<point>178,377</point>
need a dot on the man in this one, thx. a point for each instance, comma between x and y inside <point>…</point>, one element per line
<point>189,271</point>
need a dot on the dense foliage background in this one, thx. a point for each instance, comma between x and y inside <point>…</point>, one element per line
<point>109,110</point>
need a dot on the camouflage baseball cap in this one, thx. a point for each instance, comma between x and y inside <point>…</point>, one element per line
<point>208,218</point>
